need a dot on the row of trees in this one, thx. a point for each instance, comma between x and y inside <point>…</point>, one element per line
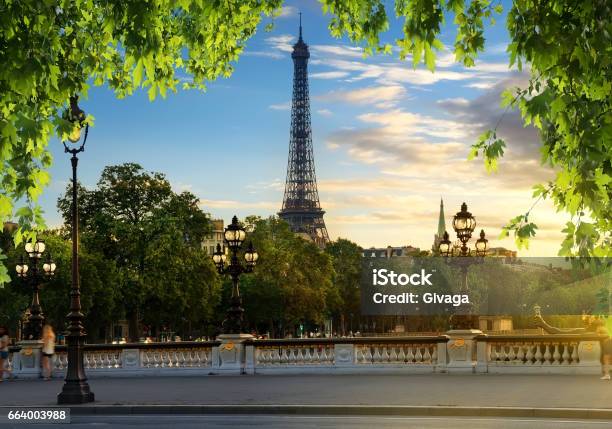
<point>142,260</point>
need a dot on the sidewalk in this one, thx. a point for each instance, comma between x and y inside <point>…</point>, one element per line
<point>524,391</point>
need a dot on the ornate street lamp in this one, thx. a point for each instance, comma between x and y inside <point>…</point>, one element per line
<point>234,236</point>
<point>35,278</point>
<point>481,244</point>
<point>464,224</point>
<point>445,246</point>
<point>76,389</point>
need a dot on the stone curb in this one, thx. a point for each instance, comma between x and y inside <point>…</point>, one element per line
<point>347,410</point>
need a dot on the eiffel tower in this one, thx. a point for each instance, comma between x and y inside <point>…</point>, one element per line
<point>301,207</point>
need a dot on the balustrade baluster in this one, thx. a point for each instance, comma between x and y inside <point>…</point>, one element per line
<point>402,355</point>
<point>538,354</point>
<point>369,357</point>
<point>529,357</point>
<point>385,353</point>
<point>410,356</point>
<point>427,355</point>
<point>547,355</point>
<point>512,353</point>
<point>565,357</point>
<point>520,355</point>
<point>556,354</point>
<point>418,356</point>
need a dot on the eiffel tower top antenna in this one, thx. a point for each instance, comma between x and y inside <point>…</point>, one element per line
<point>300,25</point>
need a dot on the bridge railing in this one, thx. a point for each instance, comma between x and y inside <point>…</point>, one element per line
<point>517,354</point>
<point>555,353</point>
<point>359,354</point>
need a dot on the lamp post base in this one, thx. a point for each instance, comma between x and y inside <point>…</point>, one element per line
<point>233,321</point>
<point>76,389</point>
<point>75,393</point>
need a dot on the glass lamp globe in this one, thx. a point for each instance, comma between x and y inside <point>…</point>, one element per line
<point>49,266</point>
<point>234,234</point>
<point>21,268</point>
<point>251,256</point>
<point>218,256</point>
<point>75,134</point>
<point>39,247</point>
<point>464,224</point>
<point>445,246</point>
<point>481,244</point>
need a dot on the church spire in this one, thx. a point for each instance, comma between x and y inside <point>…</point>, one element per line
<point>441,229</point>
<point>441,221</point>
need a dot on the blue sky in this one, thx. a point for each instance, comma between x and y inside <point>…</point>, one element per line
<point>389,141</point>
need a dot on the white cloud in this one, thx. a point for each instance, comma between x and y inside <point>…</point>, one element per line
<point>288,12</point>
<point>230,204</point>
<point>381,96</point>
<point>280,106</point>
<point>282,42</point>
<point>325,112</point>
<point>337,51</point>
<point>328,75</point>
<point>485,84</point>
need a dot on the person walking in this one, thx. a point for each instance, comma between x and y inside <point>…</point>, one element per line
<point>607,350</point>
<point>4,351</point>
<point>48,350</point>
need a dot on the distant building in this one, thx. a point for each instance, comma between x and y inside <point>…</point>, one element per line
<point>438,237</point>
<point>215,237</point>
<point>501,252</point>
<point>391,252</point>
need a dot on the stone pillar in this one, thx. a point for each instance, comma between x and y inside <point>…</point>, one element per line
<point>232,353</point>
<point>131,359</point>
<point>589,357</point>
<point>249,365</point>
<point>482,354</point>
<point>27,363</point>
<point>344,355</point>
<point>442,353</point>
<point>462,350</point>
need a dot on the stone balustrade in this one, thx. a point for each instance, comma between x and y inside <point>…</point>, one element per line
<point>560,353</point>
<point>392,354</point>
<point>517,354</point>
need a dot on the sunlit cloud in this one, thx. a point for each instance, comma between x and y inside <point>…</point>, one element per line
<point>329,75</point>
<point>381,96</point>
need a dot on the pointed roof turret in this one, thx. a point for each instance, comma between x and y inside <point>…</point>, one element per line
<point>441,221</point>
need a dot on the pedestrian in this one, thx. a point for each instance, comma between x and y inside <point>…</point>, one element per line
<point>4,351</point>
<point>48,350</point>
<point>607,350</point>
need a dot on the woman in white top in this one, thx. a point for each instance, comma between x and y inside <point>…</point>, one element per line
<point>48,350</point>
<point>4,351</point>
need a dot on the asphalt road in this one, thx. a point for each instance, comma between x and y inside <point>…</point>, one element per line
<point>316,422</point>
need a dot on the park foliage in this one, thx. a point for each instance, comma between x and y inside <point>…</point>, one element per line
<point>53,49</point>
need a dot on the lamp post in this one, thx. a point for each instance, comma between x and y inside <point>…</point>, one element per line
<point>32,274</point>
<point>76,389</point>
<point>464,257</point>
<point>234,237</point>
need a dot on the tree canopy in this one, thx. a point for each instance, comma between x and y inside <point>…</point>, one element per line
<point>292,283</point>
<point>52,50</point>
<point>153,236</point>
